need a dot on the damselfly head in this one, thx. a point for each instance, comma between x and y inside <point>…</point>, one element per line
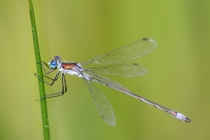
<point>53,64</point>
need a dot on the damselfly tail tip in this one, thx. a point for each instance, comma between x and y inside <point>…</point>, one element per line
<point>182,117</point>
<point>187,120</point>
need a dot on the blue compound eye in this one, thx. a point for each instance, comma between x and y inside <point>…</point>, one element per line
<point>53,64</point>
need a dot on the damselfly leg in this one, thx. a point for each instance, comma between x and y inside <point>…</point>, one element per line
<point>64,87</point>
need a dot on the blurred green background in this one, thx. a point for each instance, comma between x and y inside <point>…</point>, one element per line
<point>178,77</point>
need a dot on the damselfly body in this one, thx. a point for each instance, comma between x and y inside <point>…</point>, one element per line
<point>113,64</point>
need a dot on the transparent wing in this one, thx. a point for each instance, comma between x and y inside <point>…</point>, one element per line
<point>128,52</point>
<point>128,70</point>
<point>103,106</point>
<point>105,79</point>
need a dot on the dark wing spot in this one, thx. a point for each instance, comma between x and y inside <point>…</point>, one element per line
<point>145,39</point>
<point>135,64</point>
<point>102,117</point>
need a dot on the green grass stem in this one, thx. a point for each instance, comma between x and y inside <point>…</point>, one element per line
<point>43,102</point>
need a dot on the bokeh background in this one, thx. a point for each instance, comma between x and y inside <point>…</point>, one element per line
<point>77,30</point>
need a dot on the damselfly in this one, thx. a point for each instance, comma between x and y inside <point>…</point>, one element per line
<point>111,63</point>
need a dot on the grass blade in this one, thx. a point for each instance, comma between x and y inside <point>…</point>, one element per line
<point>43,102</point>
